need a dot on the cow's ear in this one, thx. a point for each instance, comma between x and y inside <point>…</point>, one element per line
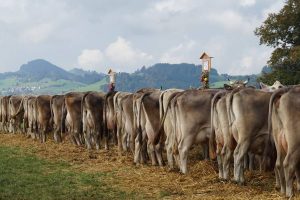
<point>227,87</point>
<point>263,86</point>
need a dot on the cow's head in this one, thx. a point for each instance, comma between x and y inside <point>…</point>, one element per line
<point>235,84</point>
<point>271,88</point>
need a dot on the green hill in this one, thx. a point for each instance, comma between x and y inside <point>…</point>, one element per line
<point>42,77</point>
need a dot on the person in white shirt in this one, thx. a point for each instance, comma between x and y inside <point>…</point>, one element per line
<point>112,80</point>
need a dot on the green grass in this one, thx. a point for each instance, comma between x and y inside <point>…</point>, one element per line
<point>6,83</point>
<point>93,87</point>
<point>24,176</point>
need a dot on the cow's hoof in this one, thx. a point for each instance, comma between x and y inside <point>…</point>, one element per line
<point>241,183</point>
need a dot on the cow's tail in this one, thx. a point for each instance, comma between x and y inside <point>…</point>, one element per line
<point>212,138</point>
<point>139,111</point>
<point>20,109</point>
<point>230,113</point>
<point>163,115</point>
<point>161,104</point>
<point>63,118</point>
<point>116,106</point>
<point>105,125</point>
<point>36,114</point>
<point>105,128</point>
<point>52,115</point>
<point>83,102</point>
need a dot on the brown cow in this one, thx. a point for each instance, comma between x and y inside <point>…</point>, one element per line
<point>140,154</point>
<point>168,124</point>
<point>32,117</point>
<point>15,122</point>
<point>56,104</point>
<point>1,125</point>
<point>92,118</point>
<point>23,109</point>
<point>150,124</point>
<point>192,122</point>
<point>43,113</point>
<point>72,116</point>
<point>284,125</point>
<point>247,111</point>
<point>110,126</point>
<point>120,120</point>
<point>5,113</point>
<point>221,133</point>
<point>126,109</point>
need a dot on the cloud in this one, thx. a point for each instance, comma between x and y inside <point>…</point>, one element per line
<point>152,31</point>
<point>246,3</point>
<point>174,6</point>
<point>179,53</point>
<point>37,33</point>
<point>91,59</point>
<point>231,20</point>
<point>122,53</point>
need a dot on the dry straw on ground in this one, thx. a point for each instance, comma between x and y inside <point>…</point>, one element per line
<point>151,181</point>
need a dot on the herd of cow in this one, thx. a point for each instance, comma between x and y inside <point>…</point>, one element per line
<point>238,124</point>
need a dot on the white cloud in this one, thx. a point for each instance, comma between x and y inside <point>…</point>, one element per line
<point>155,31</point>
<point>37,33</point>
<point>122,53</point>
<point>174,5</point>
<point>247,2</point>
<point>179,54</point>
<point>229,19</point>
<point>91,59</point>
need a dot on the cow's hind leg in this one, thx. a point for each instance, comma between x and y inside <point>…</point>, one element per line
<point>158,153</point>
<point>151,152</point>
<point>280,180</point>
<point>251,158</point>
<point>289,165</point>
<point>183,149</point>
<point>119,137</point>
<point>57,136</point>
<point>169,143</point>
<point>77,138</point>
<point>124,140</point>
<point>227,155</point>
<point>87,138</point>
<point>138,147</point>
<point>205,151</point>
<point>220,166</point>
<point>239,154</point>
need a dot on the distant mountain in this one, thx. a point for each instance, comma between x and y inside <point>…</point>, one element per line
<point>166,75</point>
<point>40,69</point>
<point>88,77</point>
<point>42,77</point>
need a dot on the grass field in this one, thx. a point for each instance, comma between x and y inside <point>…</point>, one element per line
<point>30,170</point>
<point>47,86</point>
<point>25,176</point>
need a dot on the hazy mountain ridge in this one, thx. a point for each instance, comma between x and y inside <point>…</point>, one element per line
<point>42,77</point>
<point>166,75</point>
<point>39,69</point>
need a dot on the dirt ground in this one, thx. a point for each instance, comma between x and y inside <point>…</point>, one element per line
<point>153,182</point>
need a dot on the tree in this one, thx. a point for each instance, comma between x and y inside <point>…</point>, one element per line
<point>282,32</point>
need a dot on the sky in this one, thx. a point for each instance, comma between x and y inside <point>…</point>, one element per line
<point>126,35</point>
